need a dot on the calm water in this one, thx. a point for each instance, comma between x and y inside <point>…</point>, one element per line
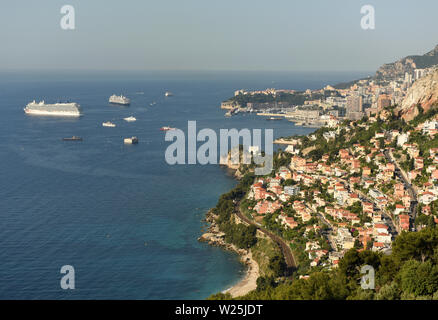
<point>125,220</point>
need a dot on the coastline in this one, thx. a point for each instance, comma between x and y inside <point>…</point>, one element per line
<point>249,282</point>
<point>215,237</point>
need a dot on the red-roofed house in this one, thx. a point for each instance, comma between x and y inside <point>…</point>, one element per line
<point>404,222</point>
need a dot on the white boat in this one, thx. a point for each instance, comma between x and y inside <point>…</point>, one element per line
<point>168,94</point>
<point>108,124</point>
<point>166,128</point>
<point>132,140</point>
<point>56,109</point>
<point>119,100</point>
<point>130,119</point>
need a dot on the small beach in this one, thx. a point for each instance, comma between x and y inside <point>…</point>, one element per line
<point>215,237</point>
<point>249,283</point>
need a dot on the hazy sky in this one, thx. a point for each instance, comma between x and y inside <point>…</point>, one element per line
<point>213,35</point>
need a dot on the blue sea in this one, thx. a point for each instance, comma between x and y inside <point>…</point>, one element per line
<point>119,214</point>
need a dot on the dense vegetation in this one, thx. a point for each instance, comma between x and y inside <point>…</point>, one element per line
<point>238,234</point>
<point>269,258</point>
<point>242,236</point>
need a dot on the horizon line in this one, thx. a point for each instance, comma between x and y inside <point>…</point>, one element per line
<point>181,70</point>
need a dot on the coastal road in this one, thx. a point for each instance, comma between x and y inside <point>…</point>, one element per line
<point>412,193</point>
<point>285,248</point>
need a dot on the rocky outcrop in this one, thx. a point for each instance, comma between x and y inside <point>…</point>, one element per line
<point>424,92</point>
<point>215,237</point>
<point>237,170</point>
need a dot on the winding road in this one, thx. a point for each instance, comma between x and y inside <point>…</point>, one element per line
<point>285,248</point>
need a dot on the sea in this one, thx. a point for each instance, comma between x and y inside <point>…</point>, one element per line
<point>120,215</point>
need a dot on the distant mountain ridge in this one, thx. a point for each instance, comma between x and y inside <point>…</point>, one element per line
<point>408,64</point>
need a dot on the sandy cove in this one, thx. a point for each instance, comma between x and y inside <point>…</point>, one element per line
<point>215,237</point>
<point>249,283</point>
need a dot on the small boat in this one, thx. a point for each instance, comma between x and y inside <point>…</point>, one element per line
<point>108,124</point>
<point>152,103</point>
<point>167,128</point>
<point>132,140</point>
<point>274,118</point>
<point>74,138</point>
<point>168,94</point>
<point>130,119</point>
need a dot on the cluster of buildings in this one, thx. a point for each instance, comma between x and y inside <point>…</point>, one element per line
<point>370,96</point>
<point>364,98</point>
<point>363,195</point>
<point>353,219</point>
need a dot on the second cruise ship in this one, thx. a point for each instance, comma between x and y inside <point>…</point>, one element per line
<point>119,100</point>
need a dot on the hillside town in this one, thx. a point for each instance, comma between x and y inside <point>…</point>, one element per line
<point>352,183</point>
<point>361,189</point>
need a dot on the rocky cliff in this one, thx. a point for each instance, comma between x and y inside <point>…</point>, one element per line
<point>423,92</point>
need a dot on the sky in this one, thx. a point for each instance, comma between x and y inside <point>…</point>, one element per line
<point>253,35</point>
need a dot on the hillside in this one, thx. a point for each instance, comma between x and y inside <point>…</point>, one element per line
<point>408,64</point>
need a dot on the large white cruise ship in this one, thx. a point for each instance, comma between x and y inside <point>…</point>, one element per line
<point>57,109</point>
<point>119,100</point>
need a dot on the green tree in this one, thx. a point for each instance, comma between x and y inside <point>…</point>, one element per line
<point>419,278</point>
<point>416,245</point>
<point>389,291</point>
<point>277,265</point>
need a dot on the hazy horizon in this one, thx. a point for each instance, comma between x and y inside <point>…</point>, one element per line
<point>195,35</point>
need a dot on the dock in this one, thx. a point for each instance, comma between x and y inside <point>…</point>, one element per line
<point>263,114</point>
